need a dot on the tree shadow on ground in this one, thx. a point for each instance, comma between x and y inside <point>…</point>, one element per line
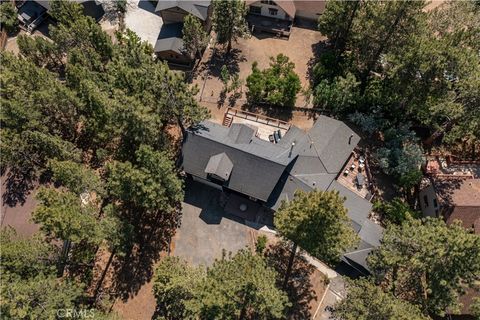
<point>152,236</point>
<point>299,288</point>
<point>17,186</point>
<point>277,112</point>
<point>220,58</point>
<point>317,49</point>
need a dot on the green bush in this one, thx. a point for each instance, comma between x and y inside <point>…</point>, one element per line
<point>276,85</point>
<point>261,244</point>
<point>8,16</point>
<point>395,211</point>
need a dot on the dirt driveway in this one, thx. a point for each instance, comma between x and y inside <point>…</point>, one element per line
<point>300,48</point>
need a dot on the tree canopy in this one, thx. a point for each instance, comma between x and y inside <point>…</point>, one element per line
<point>8,16</point>
<point>366,301</point>
<point>237,287</point>
<point>229,21</point>
<point>317,221</point>
<point>94,123</point>
<point>411,65</point>
<point>194,36</point>
<point>276,85</point>
<point>427,263</point>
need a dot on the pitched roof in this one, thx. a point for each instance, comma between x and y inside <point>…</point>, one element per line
<point>330,140</point>
<point>287,5</point>
<point>197,8</point>
<point>468,216</point>
<point>292,6</point>
<point>220,165</point>
<point>315,6</point>
<point>453,191</point>
<point>273,172</point>
<point>257,164</point>
<point>170,38</point>
<point>92,8</point>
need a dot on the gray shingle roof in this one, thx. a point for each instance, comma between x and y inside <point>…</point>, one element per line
<point>331,141</point>
<point>273,172</point>
<point>198,8</point>
<point>220,165</point>
<point>257,167</point>
<point>240,133</point>
<point>358,207</point>
<point>170,38</point>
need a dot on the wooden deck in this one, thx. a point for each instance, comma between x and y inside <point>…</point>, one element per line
<point>265,125</point>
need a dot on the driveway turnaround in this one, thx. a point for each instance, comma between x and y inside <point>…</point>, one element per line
<point>206,230</point>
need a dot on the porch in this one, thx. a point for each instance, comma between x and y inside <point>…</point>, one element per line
<point>276,26</point>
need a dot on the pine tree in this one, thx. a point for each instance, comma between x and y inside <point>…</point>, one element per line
<point>316,221</point>
<point>229,21</point>
<point>427,263</point>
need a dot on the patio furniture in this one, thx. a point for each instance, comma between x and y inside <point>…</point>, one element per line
<point>361,159</point>
<point>346,172</point>
<point>352,167</point>
<point>360,180</point>
<point>271,138</point>
<point>276,137</point>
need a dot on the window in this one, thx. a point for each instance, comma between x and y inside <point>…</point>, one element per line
<point>425,201</point>
<point>255,10</point>
<point>270,2</point>
<point>435,203</point>
<point>273,12</point>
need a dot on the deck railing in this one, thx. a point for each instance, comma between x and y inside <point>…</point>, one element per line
<point>257,118</point>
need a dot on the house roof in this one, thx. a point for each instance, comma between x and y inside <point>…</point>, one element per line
<point>315,6</point>
<point>198,9</point>
<point>257,164</point>
<point>453,191</point>
<point>292,6</point>
<point>220,165</point>
<point>331,141</point>
<point>91,8</point>
<point>273,172</point>
<point>170,38</point>
<point>287,6</point>
<point>468,216</point>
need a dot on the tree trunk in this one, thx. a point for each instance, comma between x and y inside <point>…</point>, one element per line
<point>104,273</point>
<point>341,40</point>
<point>290,265</point>
<point>243,312</point>
<point>229,46</point>
<point>371,63</point>
<point>64,257</point>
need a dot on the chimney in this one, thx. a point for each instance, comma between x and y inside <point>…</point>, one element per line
<point>350,139</point>
<point>291,149</point>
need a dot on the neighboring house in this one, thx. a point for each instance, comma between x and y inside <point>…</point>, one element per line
<point>278,16</point>
<point>169,45</point>
<point>32,13</point>
<point>451,191</point>
<point>453,198</point>
<point>237,161</point>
